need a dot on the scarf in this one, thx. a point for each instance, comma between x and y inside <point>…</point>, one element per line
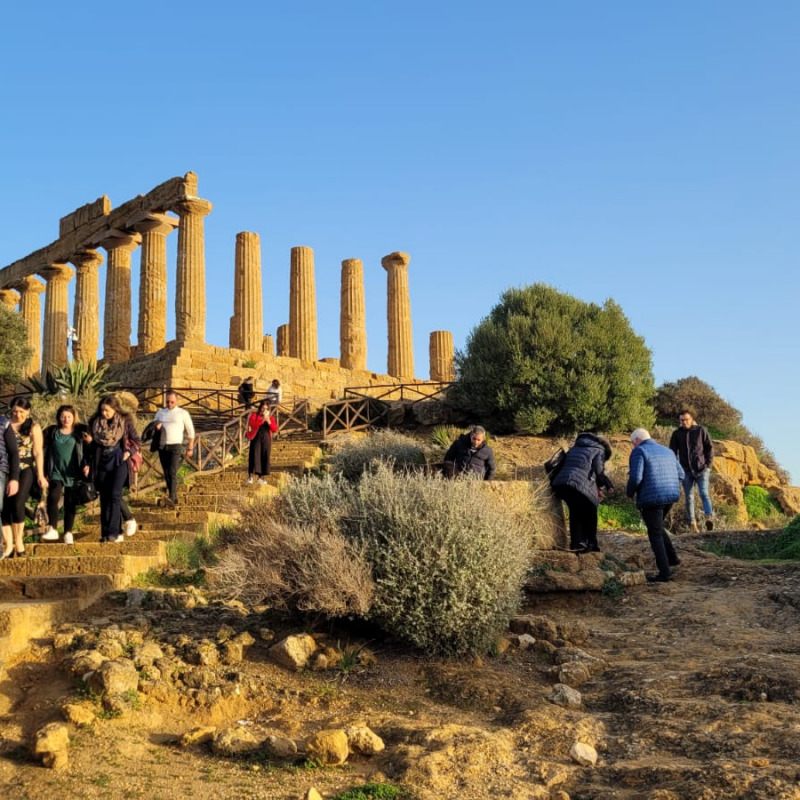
<point>108,432</point>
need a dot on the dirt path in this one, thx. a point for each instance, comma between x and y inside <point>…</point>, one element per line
<point>698,700</point>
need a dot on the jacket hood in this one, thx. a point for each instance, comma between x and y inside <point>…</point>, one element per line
<point>587,439</point>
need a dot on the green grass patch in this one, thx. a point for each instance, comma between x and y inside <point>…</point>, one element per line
<point>760,503</point>
<point>613,588</point>
<point>783,547</point>
<point>619,513</point>
<point>371,791</point>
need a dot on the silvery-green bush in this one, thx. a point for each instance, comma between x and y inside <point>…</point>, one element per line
<point>353,457</point>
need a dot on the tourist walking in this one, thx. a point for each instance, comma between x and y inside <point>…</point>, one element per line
<point>654,478</point>
<point>28,436</point>
<point>260,427</point>
<point>694,449</point>
<point>176,423</point>
<point>64,466</point>
<point>111,451</point>
<point>9,473</point>
<point>580,483</point>
<point>275,394</point>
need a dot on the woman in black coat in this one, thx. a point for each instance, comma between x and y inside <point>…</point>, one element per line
<point>580,483</point>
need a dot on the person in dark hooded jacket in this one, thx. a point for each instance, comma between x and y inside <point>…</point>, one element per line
<point>469,454</point>
<point>579,483</point>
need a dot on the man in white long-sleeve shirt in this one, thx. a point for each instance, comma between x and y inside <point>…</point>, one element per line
<point>176,422</point>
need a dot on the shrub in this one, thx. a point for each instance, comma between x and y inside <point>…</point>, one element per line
<point>352,457</point>
<point>783,547</point>
<point>14,351</point>
<point>448,566</point>
<point>294,567</point>
<point>73,379</point>
<point>546,362</point>
<point>760,503</point>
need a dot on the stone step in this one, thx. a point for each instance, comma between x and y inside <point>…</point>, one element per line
<point>180,516</point>
<point>25,620</point>
<point>125,567</point>
<point>52,587</point>
<point>130,547</point>
<point>154,527</point>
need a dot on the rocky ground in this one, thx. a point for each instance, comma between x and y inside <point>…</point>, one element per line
<point>682,690</point>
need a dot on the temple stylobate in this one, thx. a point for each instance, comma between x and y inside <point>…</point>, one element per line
<point>134,235</point>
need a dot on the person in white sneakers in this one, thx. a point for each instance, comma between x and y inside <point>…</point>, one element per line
<point>175,422</point>
<point>63,466</point>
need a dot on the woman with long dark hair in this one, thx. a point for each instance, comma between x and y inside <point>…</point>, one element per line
<point>111,451</point>
<point>260,427</point>
<point>63,465</point>
<point>31,468</point>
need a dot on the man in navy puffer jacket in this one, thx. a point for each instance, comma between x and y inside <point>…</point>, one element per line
<point>655,478</point>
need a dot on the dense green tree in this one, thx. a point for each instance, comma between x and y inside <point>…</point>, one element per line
<point>14,350</point>
<point>546,362</point>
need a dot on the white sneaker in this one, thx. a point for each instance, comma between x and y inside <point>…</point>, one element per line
<point>261,480</point>
<point>50,535</point>
<point>68,539</point>
<point>249,480</point>
<point>116,539</point>
<point>129,526</point>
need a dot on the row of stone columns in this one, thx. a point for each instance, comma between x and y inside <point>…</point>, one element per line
<point>148,233</point>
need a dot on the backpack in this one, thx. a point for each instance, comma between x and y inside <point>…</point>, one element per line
<point>553,464</point>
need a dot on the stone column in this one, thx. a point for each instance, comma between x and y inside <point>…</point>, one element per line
<point>30,307</point>
<point>302,305</point>
<point>441,356</point>
<point>268,345</point>
<point>190,282</point>
<point>353,321</point>
<point>283,340</point>
<point>56,315</point>
<point>152,327</point>
<point>117,320</point>
<point>9,298</point>
<point>401,343</point>
<point>248,310</point>
<point>86,313</point>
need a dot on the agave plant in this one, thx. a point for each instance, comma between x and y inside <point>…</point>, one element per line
<point>74,378</point>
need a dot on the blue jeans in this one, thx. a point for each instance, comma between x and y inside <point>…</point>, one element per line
<point>702,481</point>
<point>3,482</point>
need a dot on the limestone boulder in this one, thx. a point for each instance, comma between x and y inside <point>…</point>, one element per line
<point>293,652</point>
<point>330,747</point>
<point>583,754</point>
<point>362,740</point>
<point>789,499</point>
<point>728,489</point>
<point>115,678</point>
<point>234,741</point>
<point>83,662</point>
<point>78,714</point>
<point>280,746</point>
<point>565,696</point>
<point>51,743</point>
<point>740,462</point>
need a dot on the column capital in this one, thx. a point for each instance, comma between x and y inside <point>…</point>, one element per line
<point>120,240</point>
<point>29,284</point>
<point>192,206</point>
<point>86,260</point>
<point>57,272</point>
<point>396,259</point>
<point>155,223</point>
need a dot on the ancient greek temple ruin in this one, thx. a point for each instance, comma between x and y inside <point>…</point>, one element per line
<point>143,224</point>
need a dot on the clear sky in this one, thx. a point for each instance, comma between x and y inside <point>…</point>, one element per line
<point>646,152</point>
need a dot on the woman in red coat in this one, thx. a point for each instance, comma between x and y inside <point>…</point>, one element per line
<point>260,427</point>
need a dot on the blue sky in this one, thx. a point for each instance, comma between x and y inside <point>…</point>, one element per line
<point>640,151</point>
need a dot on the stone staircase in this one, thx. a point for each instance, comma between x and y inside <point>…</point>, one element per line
<point>56,580</point>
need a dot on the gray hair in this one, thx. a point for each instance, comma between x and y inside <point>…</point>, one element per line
<point>478,429</point>
<point>640,435</point>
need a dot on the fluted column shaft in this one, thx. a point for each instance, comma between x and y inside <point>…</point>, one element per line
<point>442,364</point>
<point>190,281</point>
<point>30,307</point>
<point>152,324</point>
<point>353,320</point>
<point>9,298</point>
<point>248,307</point>
<point>86,312</point>
<point>302,305</point>
<point>56,315</point>
<point>283,340</point>
<point>117,320</point>
<point>401,342</point>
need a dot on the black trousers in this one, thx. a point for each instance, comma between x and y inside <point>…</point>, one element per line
<point>170,457</point>
<point>14,506</point>
<point>660,542</point>
<point>582,518</point>
<point>109,483</point>
<point>53,497</point>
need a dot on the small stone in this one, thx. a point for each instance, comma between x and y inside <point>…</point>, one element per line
<point>234,741</point>
<point>114,678</point>
<point>78,714</point>
<point>51,744</point>
<point>280,746</point>
<point>362,740</point>
<point>583,754</point>
<point>293,652</point>
<point>199,735</point>
<point>573,673</point>
<point>565,696</point>
<point>330,747</point>
<point>312,794</point>
<point>525,641</point>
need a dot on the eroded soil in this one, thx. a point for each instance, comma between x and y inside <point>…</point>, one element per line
<point>700,699</point>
